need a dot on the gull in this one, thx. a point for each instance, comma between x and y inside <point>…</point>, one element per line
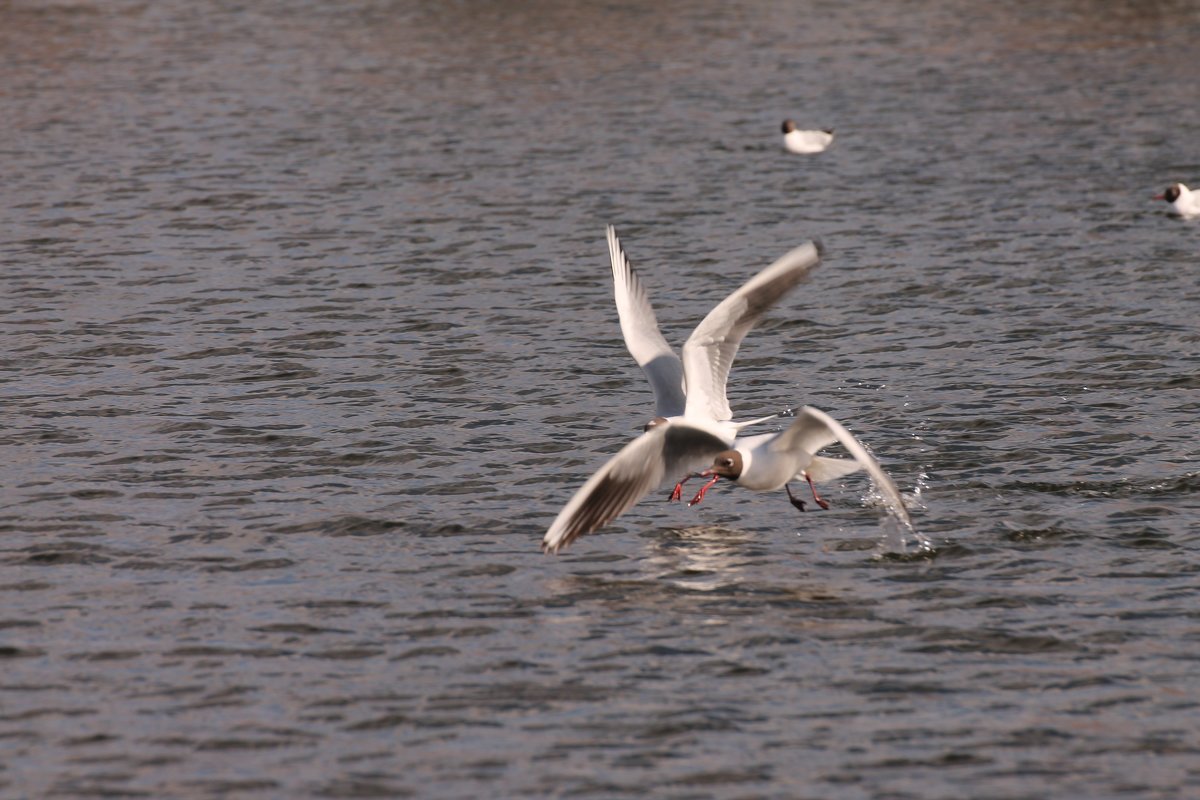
<point>1183,201</point>
<point>693,420</point>
<point>771,461</point>
<point>797,141</point>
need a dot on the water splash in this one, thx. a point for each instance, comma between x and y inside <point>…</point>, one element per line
<point>898,534</point>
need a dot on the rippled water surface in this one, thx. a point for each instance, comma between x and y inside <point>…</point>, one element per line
<point>308,334</point>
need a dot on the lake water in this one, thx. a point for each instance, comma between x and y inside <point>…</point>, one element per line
<point>309,334</point>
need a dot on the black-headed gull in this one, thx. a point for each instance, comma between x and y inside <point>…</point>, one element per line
<point>674,444</point>
<point>770,461</point>
<point>1183,200</point>
<point>798,141</point>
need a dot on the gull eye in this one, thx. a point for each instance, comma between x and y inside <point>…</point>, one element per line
<point>726,462</point>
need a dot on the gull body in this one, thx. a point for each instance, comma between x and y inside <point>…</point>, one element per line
<point>769,462</point>
<point>1183,200</point>
<point>798,141</point>
<point>693,420</point>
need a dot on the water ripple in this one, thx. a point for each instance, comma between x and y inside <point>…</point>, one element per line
<point>309,336</point>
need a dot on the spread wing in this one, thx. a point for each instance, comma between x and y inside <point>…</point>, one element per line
<point>641,465</point>
<point>709,351</point>
<point>639,326</point>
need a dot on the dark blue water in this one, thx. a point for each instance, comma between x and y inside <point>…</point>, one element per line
<point>309,335</point>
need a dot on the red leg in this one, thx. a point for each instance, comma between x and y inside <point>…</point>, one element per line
<point>678,492</point>
<point>700,494</point>
<point>822,503</point>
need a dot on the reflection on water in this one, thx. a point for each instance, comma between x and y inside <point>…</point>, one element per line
<point>700,557</point>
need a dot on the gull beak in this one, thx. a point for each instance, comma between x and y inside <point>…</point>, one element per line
<point>1160,197</point>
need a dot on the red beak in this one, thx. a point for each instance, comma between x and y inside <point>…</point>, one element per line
<point>1160,197</point>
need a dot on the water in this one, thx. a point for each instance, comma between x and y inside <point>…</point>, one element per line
<point>309,336</point>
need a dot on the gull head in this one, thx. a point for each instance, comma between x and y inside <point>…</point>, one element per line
<point>1171,194</point>
<point>727,464</point>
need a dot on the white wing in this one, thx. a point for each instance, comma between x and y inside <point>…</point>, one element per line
<point>641,465</point>
<point>807,432</point>
<point>709,351</point>
<point>639,326</point>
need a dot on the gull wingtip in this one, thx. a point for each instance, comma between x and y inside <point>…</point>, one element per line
<point>551,544</point>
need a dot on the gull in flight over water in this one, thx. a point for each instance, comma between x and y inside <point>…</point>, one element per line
<point>692,420</point>
<point>798,141</point>
<point>771,461</point>
<point>1183,200</point>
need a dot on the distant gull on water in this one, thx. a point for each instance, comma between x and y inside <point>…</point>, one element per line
<point>1183,200</point>
<point>798,141</point>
